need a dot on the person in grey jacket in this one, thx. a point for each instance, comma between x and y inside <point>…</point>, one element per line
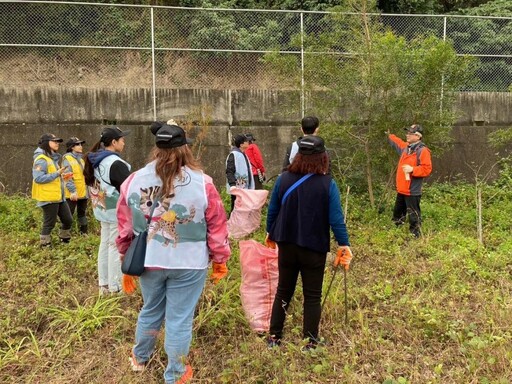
<point>76,189</point>
<point>48,189</point>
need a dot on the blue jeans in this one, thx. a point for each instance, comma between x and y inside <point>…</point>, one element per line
<point>171,294</point>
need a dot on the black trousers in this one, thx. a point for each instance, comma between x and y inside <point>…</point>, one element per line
<point>51,212</point>
<point>293,260</point>
<point>233,198</point>
<point>257,183</point>
<point>408,205</point>
<point>81,210</point>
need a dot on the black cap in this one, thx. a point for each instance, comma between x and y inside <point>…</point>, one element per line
<point>238,140</point>
<point>311,145</point>
<point>50,137</point>
<point>415,128</point>
<point>250,137</point>
<point>73,141</point>
<point>112,133</point>
<point>169,136</point>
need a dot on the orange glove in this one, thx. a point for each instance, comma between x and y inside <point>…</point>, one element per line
<point>220,271</point>
<point>343,256</point>
<point>270,243</point>
<point>129,284</point>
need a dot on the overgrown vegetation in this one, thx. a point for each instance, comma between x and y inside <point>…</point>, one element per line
<point>434,310</point>
<point>385,82</point>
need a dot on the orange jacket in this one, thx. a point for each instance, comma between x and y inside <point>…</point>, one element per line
<point>417,156</point>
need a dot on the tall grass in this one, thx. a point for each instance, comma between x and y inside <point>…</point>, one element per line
<point>433,310</point>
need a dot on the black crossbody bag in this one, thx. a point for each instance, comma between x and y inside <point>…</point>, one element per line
<point>135,256</point>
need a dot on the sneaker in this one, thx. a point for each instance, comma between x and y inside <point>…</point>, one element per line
<point>273,342</point>
<point>45,241</point>
<point>115,291</point>
<point>187,375</point>
<point>309,347</point>
<point>136,366</point>
<point>104,290</point>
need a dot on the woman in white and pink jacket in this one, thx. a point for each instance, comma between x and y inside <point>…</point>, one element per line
<point>187,230</point>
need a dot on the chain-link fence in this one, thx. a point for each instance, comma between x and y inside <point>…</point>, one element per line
<point>127,46</point>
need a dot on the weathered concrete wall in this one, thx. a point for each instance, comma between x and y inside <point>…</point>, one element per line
<point>18,142</point>
<point>484,108</point>
<point>25,114</point>
<point>135,106</point>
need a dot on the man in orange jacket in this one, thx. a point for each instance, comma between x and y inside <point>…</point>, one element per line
<point>414,165</point>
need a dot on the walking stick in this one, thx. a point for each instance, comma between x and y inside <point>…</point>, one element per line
<point>346,306</point>
<point>336,270</point>
<point>345,289</point>
<point>344,270</point>
<point>329,287</point>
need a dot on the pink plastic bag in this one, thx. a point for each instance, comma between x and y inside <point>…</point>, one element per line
<point>246,215</point>
<point>259,283</point>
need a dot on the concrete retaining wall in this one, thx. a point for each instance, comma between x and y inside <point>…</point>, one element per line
<point>25,114</point>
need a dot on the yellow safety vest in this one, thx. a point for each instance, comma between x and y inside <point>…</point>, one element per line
<point>51,191</point>
<point>78,176</point>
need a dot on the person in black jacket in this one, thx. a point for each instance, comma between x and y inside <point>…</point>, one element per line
<point>309,126</point>
<point>304,206</point>
<point>238,169</point>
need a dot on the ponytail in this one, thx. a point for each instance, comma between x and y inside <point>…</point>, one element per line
<point>88,168</point>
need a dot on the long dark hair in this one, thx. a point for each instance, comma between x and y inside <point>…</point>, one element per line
<point>169,162</point>
<point>88,168</point>
<point>317,164</point>
<point>45,146</point>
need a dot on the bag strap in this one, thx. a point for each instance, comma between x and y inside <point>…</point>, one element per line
<point>418,154</point>
<point>151,211</point>
<point>295,185</point>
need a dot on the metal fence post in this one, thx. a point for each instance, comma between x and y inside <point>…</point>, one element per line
<point>153,62</point>
<point>302,96</point>
<point>442,77</point>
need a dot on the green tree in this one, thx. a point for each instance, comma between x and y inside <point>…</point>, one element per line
<point>501,8</point>
<point>486,37</point>
<point>381,82</point>
<point>217,29</point>
<point>427,6</point>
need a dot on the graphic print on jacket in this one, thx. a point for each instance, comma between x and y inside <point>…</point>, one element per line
<point>165,219</point>
<point>241,180</point>
<point>98,196</point>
